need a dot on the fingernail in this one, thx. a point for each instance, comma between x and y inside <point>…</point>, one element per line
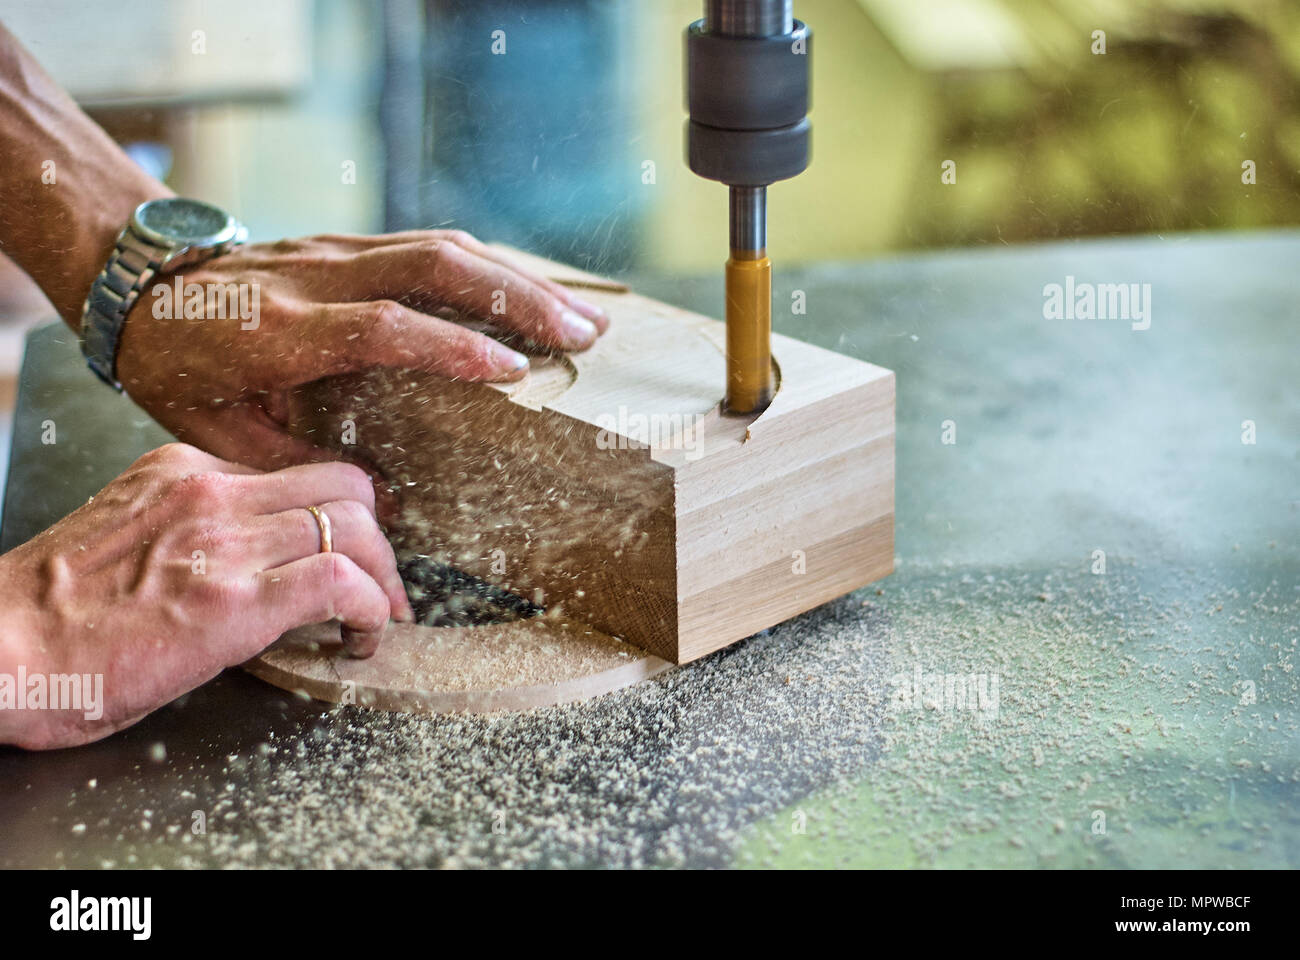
<point>360,644</point>
<point>510,361</point>
<point>578,331</point>
<point>405,615</point>
<point>588,310</point>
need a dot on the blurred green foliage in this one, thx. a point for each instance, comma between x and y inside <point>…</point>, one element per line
<point>1150,136</point>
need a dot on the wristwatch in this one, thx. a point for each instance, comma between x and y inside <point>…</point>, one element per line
<point>161,235</point>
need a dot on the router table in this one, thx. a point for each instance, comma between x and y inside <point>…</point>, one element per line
<point>1085,656</point>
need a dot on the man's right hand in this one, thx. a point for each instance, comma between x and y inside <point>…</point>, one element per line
<point>181,567</point>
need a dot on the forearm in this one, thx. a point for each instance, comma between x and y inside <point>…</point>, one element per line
<point>66,189</point>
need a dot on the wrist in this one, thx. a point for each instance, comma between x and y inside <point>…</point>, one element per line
<point>163,235</point>
<point>99,227</point>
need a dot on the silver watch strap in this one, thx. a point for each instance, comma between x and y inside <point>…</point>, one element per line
<point>131,266</point>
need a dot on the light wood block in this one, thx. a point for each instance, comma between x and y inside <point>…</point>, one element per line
<point>608,485</point>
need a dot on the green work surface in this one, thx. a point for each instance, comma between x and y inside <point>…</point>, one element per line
<point>1085,657</point>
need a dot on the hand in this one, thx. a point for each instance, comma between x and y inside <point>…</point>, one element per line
<point>183,566</point>
<point>331,305</point>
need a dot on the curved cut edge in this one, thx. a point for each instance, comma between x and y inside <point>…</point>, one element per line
<point>458,669</point>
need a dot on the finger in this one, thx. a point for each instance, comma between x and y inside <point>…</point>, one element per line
<point>589,310</point>
<point>246,431</point>
<point>326,586</point>
<point>382,333</point>
<point>304,485</point>
<point>357,243</point>
<point>440,274</point>
<point>309,485</point>
<point>471,243</point>
<point>281,538</point>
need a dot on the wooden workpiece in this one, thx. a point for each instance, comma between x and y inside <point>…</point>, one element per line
<point>483,669</point>
<point>609,487</point>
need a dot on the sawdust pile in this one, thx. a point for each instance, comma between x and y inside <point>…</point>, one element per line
<point>800,745</point>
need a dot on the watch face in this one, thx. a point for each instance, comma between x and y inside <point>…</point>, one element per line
<point>177,222</point>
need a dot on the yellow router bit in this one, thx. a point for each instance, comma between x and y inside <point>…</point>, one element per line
<point>747,93</point>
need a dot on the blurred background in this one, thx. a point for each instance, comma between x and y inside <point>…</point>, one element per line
<point>557,124</point>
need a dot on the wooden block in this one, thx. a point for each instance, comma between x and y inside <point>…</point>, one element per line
<point>608,485</point>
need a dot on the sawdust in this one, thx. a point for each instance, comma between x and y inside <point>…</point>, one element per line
<point>442,596</point>
<point>1108,701</point>
<point>1126,733</point>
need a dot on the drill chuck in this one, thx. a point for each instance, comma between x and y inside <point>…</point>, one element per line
<point>748,100</point>
<point>747,94</point>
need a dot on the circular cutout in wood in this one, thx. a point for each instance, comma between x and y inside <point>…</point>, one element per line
<point>520,665</point>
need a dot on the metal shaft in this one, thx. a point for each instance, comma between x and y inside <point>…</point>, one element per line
<point>748,218</point>
<point>748,18</point>
<point>750,384</point>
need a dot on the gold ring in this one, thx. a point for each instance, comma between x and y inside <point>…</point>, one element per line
<point>326,531</point>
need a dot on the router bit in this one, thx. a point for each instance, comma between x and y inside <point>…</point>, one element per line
<point>747,95</point>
